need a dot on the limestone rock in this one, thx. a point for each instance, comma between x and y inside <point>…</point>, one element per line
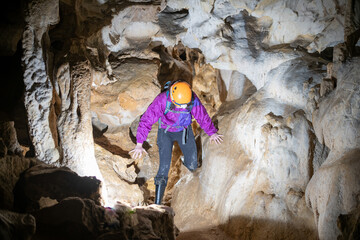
<point>326,86</point>
<point>170,21</point>
<point>155,222</point>
<point>349,224</point>
<point>149,164</point>
<point>284,122</point>
<point>71,218</point>
<point>271,165</point>
<point>3,148</point>
<point>205,85</point>
<point>343,103</point>
<point>47,202</point>
<point>222,32</point>
<point>16,226</point>
<point>131,30</point>
<point>8,135</point>
<point>74,121</point>
<point>151,222</point>
<point>119,177</point>
<point>291,82</point>
<point>99,128</point>
<point>119,102</point>
<point>124,172</point>
<point>292,25</point>
<point>75,218</point>
<point>55,183</point>
<point>236,84</point>
<point>38,88</point>
<point>11,167</point>
<point>272,186</point>
<point>333,192</point>
<point>336,124</point>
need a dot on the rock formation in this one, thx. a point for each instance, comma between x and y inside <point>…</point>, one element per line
<point>280,80</point>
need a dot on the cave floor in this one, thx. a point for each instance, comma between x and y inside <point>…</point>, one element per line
<point>213,233</point>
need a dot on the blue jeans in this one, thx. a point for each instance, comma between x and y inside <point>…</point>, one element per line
<point>165,142</point>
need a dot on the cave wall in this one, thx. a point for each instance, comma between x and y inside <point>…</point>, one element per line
<point>279,78</point>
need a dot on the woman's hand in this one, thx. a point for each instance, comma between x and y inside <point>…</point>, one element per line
<point>217,138</point>
<point>137,151</point>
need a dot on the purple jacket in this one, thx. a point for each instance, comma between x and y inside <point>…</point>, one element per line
<point>156,110</point>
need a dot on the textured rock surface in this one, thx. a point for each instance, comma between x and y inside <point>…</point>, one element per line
<point>74,123</point>
<point>337,179</point>
<point>119,177</point>
<point>11,167</point>
<point>290,118</point>
<point>71,218</point>
<point>334,191</point>
<point>61,206</point>
<point>43,181</point>
<point>16,226</point>
<point>38,88</point>
<point>75,218</point>
<point>343,102</point>
<point>9,139</point>
<point>261,183</point>
<point>118,101</point>
<point>151,222</point>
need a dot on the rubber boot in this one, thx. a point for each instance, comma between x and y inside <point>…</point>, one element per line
<point>159,193</point>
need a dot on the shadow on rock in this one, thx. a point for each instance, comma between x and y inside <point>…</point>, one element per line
<point>250,228</point>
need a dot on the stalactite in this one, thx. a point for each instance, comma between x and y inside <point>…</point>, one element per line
<point>38,88</point>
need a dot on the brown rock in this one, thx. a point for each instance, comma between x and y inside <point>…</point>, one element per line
<point>16,226</point>
<point>327,85</point>
<point>151,222</point>
<point>72,218</point>
<point>55,183</point>
<point>75,218</point>
<point>9,138</point>
<point>10,169</point>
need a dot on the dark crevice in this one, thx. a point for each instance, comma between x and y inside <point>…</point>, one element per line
<point>114,149</point>
<point>327,54</point>
<point>78,112</point>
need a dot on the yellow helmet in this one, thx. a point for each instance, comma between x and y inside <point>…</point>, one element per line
<point>180,93</point>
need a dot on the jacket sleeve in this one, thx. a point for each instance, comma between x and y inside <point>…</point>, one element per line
<point>151,116</point>
<point>202,117</point>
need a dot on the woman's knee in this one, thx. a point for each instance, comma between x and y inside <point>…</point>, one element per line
<point>160,180</point>
<point>191,163</point>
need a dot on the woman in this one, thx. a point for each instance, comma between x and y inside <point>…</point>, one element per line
<point>174,109</point>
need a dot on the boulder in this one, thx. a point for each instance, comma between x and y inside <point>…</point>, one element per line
<point>76,218</point>
<point>151,222</point>
<point>11,169</point>
<point>9,138</point>
<point>44,181</point>
<point>72,218</point>
<point>333,195</point>
<point>120,177</point>
<point>16,226</point>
